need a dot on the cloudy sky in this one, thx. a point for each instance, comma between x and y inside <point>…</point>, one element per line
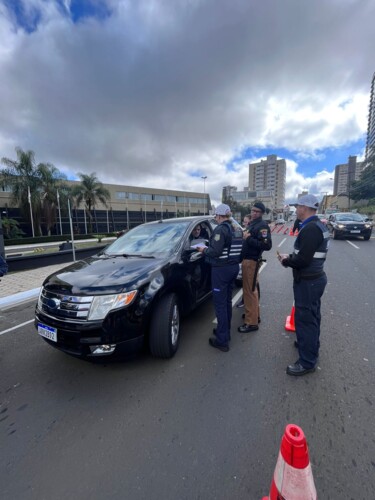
<point>162,92</point>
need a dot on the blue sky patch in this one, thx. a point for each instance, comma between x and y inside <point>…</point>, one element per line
<point>308,163</point>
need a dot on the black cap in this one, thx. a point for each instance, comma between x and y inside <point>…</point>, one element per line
<point>259,204</point>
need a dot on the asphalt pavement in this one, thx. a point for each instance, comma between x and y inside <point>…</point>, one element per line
<point>204,424</point>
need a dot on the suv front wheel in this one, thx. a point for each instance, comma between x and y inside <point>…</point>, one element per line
<point>165,327</point>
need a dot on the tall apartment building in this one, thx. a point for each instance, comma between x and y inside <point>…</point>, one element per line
<point>269,174</point>
<point>227,193</point>
<point>345,174</point>
<point>370,143</point>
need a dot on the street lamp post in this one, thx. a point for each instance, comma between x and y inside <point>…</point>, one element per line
<point>204,177</point>
<point>31,211</point>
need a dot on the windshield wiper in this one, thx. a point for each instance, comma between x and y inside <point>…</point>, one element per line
<point>139,255</point>
<point>126,255</point>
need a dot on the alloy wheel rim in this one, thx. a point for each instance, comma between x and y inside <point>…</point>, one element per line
<point>175,325</point>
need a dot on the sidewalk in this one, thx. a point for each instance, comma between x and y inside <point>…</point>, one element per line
<point>21,287</point>
<point>18,288</point>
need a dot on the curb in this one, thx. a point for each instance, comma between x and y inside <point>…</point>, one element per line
<point>18,298</point>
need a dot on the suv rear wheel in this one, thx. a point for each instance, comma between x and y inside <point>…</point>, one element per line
<point>165,327</point>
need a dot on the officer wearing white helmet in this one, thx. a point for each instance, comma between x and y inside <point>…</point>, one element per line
<point>307,262</point>
<point>223,253</point>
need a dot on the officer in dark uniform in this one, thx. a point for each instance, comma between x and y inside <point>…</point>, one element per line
<point>307,262</point>
<point>257,238</point>
<point>223,253</point>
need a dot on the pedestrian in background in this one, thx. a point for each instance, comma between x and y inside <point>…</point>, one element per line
<point>296,225</point>
<point>257,238</point>
<point>309,282</point>
<point>223,253</point>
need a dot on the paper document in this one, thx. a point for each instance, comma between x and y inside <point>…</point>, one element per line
<point>199,245</point>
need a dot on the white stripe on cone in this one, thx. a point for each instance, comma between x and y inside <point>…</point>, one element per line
<point>294,484</point>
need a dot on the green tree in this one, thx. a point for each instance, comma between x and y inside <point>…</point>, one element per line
<point>22,177</point>
<point>90,191</point>
<point>41,181</point>
<point>11,228</point>
<point>51,180</point>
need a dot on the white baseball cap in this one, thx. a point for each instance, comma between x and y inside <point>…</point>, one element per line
<point>308,200</point>
<point>222,209</point>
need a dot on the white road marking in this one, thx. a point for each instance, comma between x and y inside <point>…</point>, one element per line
<point>352,244</point>
<point>238,295</point>
<point>282,241</point>
<point>17,326</point>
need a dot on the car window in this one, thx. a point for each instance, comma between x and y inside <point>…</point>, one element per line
<point>149,239</point>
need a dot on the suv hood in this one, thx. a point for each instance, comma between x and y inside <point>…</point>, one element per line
<point>350,223</point>
<point>103,275</point>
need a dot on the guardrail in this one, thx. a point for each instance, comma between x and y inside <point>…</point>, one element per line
<point>25,262</point>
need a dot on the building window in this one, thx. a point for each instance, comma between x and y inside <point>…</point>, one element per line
<point>120,195</point>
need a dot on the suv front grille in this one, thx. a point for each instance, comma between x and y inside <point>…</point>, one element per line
<point>63,306</point>
<point>354,225</point>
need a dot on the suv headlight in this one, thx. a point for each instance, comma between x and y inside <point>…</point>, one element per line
<point>103,304</point>
<point>367,226</point>
<point>340,226</point>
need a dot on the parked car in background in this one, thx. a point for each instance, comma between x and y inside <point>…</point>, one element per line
<point>322,218</point>
<point>280,221</point>
<point>131,294</point>
<point>348,224</point>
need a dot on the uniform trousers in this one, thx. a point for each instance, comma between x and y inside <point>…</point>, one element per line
<point>222,286</point>
<point>307,298</point>
<point>250,296</point>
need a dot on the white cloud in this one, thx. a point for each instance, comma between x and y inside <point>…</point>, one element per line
<point>161,89</point>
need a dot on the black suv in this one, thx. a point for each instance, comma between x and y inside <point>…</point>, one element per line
<point>347,224</point>
<point>133,291</point>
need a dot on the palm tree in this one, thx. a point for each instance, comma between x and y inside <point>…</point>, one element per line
<point>51,179</point>
<point>22,177</point>
<point>90,191</point>
<point>41,181</point>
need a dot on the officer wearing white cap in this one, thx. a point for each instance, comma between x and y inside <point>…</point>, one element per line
<point>307,262</point>
<point>223,253</point>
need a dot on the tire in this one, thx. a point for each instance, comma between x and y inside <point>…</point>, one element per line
<point>165,327</point>
<point>335,236</point>
<point>367,237</point>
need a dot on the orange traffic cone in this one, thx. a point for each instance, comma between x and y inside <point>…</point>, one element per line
<point>289,323</point>
<point>291,232</point>
<point>293,479</point>
<point>296,232</point>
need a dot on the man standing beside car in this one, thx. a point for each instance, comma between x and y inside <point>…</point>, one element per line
<point>223,253</point>
<point>257,238</point>
<point>307,262</point>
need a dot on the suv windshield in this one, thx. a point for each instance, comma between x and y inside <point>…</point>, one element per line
<point>349,217</point>
<point>149,239</point>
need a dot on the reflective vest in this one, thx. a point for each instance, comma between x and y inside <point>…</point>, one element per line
<point>317,264</point>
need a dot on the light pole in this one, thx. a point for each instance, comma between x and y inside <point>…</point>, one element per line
<point>31,210</point>
<point>204,177</point>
